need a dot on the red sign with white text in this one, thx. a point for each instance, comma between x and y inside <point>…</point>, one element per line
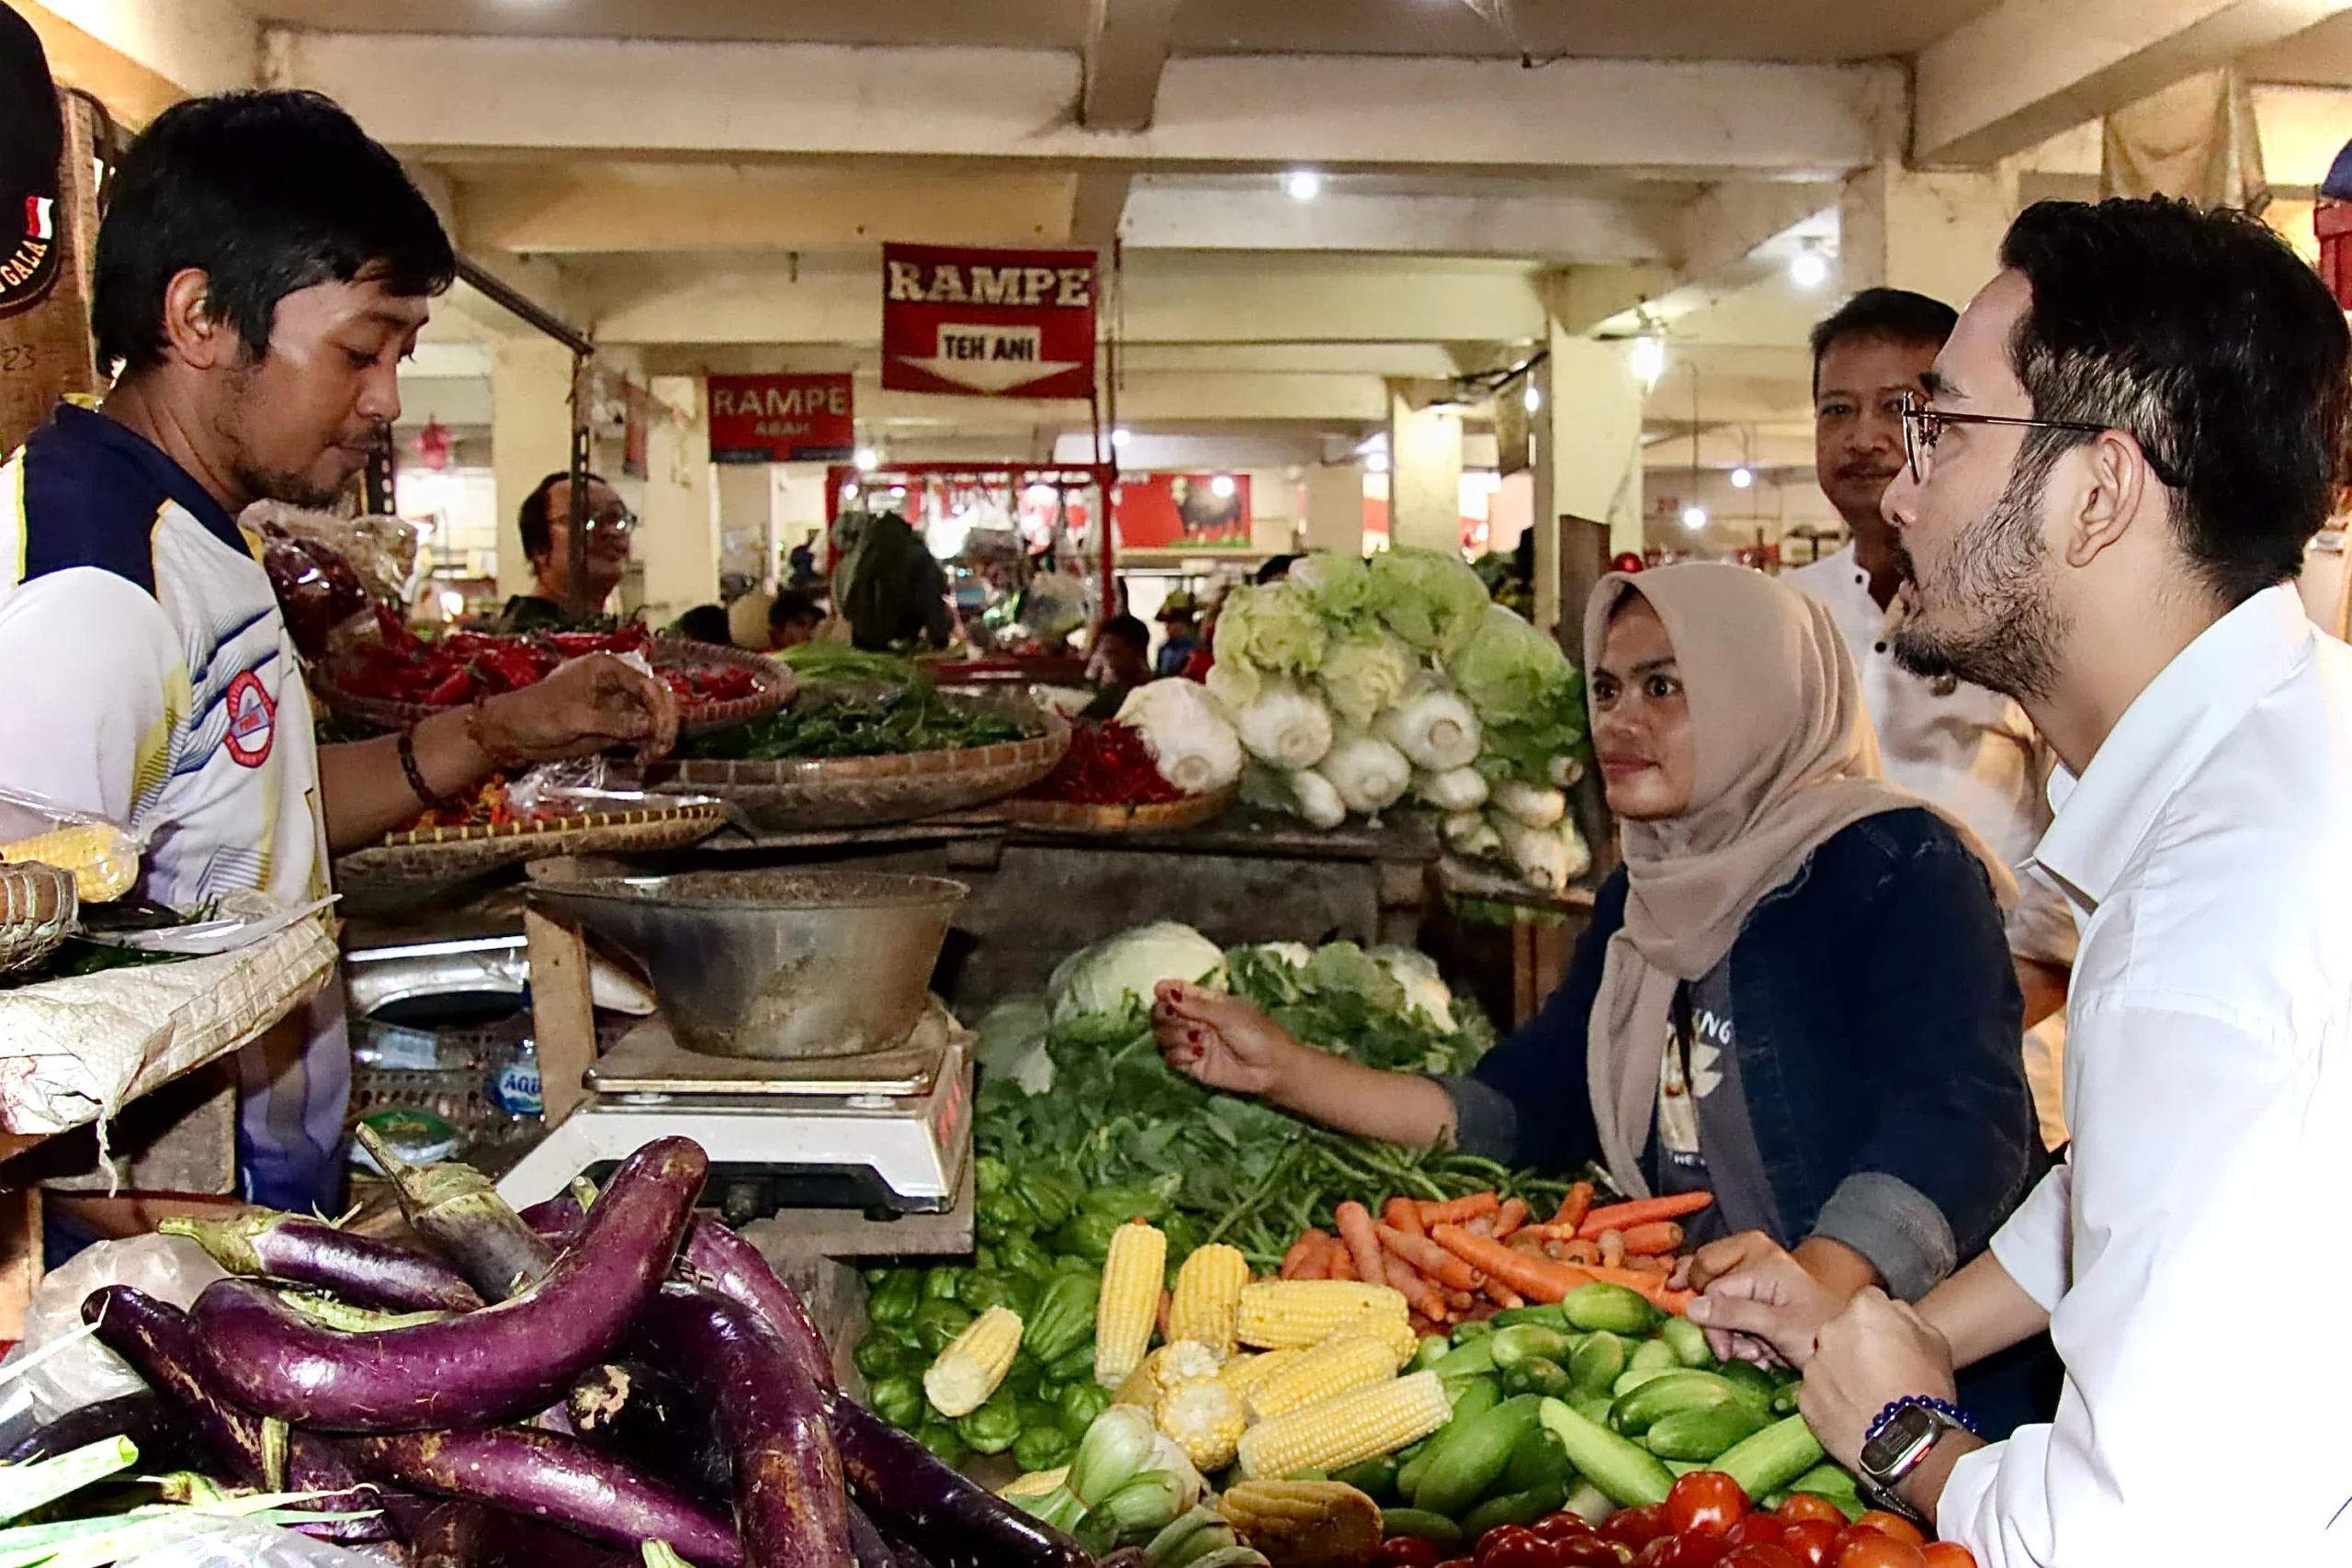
<point>1182,512</point>
<point>781,418</point>
<point>987,323</point>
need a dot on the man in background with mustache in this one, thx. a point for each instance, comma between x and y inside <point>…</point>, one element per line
<point>1970,751</point>
<point>262,270</point>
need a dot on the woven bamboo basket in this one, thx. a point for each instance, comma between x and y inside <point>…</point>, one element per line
<point>1119,821</point>
<point>778,686</point>
<point>443,855</point>
<point>38,909</point>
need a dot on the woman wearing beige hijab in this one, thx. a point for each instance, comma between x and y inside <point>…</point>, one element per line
<point>1795,994</point>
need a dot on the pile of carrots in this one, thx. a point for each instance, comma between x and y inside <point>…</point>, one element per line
<point>1466,1257</point>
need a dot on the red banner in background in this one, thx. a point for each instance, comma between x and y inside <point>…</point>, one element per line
<point>987,323</point>
<point>781,418</point>
<point>1182,512</point>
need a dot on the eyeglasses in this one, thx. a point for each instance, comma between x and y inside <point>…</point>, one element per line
<point>1924,426</point>
<point>616,520</point>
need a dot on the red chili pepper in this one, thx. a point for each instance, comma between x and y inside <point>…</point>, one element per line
<point>1107,764</point>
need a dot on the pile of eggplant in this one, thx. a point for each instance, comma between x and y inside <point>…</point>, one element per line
<point>557,1387</point>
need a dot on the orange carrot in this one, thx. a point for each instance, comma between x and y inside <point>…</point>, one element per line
<point>1355,1229</point>
<point>1166,1302</point>
<point>1574,1206</point>
<point>1295,1261</point>
<point>1513,1216</point>
<point>1502,1296</point>
<point>1533,1278</point>
<point>1459,1209</point>
<point>1327,1251</point>
<point>1548,1233</point>
<point>1641,1212</point>
<point>1422,1328</point>
<point>1612,1248</point>
<point>1404,1214</point>
<point>1342,1265</point>
<point>1409,1282</point>
<point>1650,1265</point>
<point>1460,1303</point>
<point>1483,1225</point>
<point>1654,1239</point>
<point>1429,1258</point>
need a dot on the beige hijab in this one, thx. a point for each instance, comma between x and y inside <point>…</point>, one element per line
<point>1786,759</point>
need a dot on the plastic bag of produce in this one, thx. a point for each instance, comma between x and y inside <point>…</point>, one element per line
<point>171,1269</point>
<point>202,1542</point>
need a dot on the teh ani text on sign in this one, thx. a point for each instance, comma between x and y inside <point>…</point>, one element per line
<point>781,418</point>
<point>987,323</point>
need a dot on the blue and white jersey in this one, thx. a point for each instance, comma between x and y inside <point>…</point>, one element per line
<point>146,675</point>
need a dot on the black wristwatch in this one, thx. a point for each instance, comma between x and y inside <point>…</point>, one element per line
<point>1905,1432</point>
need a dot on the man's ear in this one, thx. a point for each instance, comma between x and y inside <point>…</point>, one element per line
<point>193,333</point>
<point>2111,499</point>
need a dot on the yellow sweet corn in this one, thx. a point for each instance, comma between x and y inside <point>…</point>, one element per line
<point>1394,1332</point>
<point>1036,1483</point>
<point>1209,1297</point>
<point>968,1371</point>
<point>1304,1524</point>
<point>1128,1307</point>
<point>1181,1362</point>
<point>1246,1374</point>
<point>102,859</point>
<point>1285,1314</point>
<point>1334,1367</point>
<point>1206,1421</point>
<point>1333,1433</point>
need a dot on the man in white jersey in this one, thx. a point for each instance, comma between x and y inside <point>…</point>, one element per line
<point>262,269</point>
<point>2127,444</point>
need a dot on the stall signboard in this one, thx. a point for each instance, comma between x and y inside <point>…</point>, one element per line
<point>781,418</point>
<point>987,323</point>
<point>1182,512</point>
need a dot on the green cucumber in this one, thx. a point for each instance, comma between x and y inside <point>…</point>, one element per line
<point>1784,1401</point>
<point>1433,1349</point>
<point>1593,1407</point>
<point>1462,1468</point>
<point>1613,1307</point>
<point>1530,1340</point>
<point>1549,1315</point>
<point>1689,1340</point>
<point>1631,1475</point>
<point>1634,1376</point>
<point>1751,1382</point>
<point>1435,1529</point>
<point>1772,1458</point>
<point>1376,1478</point>
<point>1682,1389</point>
<point>1513,1508</point>
<point>1828,1479</point>
<point>1701,1434</point>
<point>1472,1360</point>
<point>1476,1329</point>
<point>1477,1397</point>
<point>1598,1362</point>
<point>1536,1375</point>
<point>1539,1460</point>
<point>1652,1353</point>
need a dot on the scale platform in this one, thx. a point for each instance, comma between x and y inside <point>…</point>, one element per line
<point>879,1134</point>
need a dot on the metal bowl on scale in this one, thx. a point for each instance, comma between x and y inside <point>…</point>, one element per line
<point>772,965</point>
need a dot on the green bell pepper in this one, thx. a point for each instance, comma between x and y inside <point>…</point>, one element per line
<point>1080,1403</point>
<point>898,1401</point>
<point>1024,1376</point>
<point>937,1322</point>
<point>941,1282</point>
<point>1087,1234</point>
<point>894,1297</point>
<point>879,1357</point>
<point>985,1288</point>
<point>1062,1318</point>
<point>1120,1204</point>
<point>993,1428</point>
<point>1020,1255</point>
<point>990,1176</point>
<point>1043,1448</point>
<point>945,1443</point>
<point>1052,1195</point>
<point>1075,1364</point>
<point>1004,1215</point>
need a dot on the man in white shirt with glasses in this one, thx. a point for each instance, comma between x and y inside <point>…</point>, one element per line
<point>2125,447</point>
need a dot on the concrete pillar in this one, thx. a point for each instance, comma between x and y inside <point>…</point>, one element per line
<point>530,437</point>
<point>742,495</point>
<point>1588,457</point>
<point>1935,233</point>
<point>677,539</point>
<point>1335,508</point>
<point>1424,474</point>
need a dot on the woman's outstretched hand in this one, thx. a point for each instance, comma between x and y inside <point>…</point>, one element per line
<point>1221,1040</point>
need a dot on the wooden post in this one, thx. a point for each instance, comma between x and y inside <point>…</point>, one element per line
<point>45,352</point>
<point>563,1012</point>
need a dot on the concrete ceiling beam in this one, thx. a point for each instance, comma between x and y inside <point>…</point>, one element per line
<point>1166,215</point>
<point>2027,70</point>
<point>439,94</point>
<point>138,58</point>
<point>1125,53</point>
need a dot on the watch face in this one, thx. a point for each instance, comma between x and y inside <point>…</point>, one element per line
<point>1911,1427</point>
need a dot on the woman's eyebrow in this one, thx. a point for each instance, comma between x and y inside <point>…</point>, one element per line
<point>1652,666</point>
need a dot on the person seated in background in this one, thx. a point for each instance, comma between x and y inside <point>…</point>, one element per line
<point>793,619</point>
<point>545,521</point>
<point>703,622</point>
<point>1120,662</point>
<point>1794,994</point>
<point>802,559</point>
<point>1274,570</point>
<point>1180,614</point>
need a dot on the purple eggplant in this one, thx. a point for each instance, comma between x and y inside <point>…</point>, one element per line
<point>644,1416</point>
<point>736,1269</point>
<point>556,1480</point>
<point>311,1252</point>
<point>951,1521</point>
<point>456,1208</point>
<point>166,1442</point>
<point>444,1533</point>
<point>505,1361</point>
<point>789,1499</point>
<point>156,1339</point>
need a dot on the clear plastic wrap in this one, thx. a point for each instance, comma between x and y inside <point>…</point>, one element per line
<point>103,854</point>
<point>170,1269</point>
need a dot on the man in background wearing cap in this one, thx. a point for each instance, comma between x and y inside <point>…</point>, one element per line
<point>1180,614</point>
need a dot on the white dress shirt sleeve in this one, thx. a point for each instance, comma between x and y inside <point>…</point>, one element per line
<point>2210,1151</point>
<point>2031,1245</point>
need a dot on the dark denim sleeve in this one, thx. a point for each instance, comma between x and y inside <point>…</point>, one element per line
<point>1525,1102</point>
<point>1938,1020</point>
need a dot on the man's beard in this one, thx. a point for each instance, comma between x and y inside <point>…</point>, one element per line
<point>277,484</point>
<point>1997,570</point>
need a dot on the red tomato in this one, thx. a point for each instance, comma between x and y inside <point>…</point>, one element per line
<point>1514,1546</point>
<point>1814,1542</point>
<point>1948,1554</point>
<point>1757,1530</point>
<point>1409,1551</point>
<point>1636,1527</point>
<point>1895,1524</point>
<point>1805,1505</point>
<point>1760,1555</point>
<point>1457,1562</point>
<point>1876,1549</point>
<point>1682,1552</point>
<point>1587,1552</point>
<point>1705,1502</point>
<point>1563,1525</point>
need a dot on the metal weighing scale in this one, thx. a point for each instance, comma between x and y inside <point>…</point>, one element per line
<point>757,975</point>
